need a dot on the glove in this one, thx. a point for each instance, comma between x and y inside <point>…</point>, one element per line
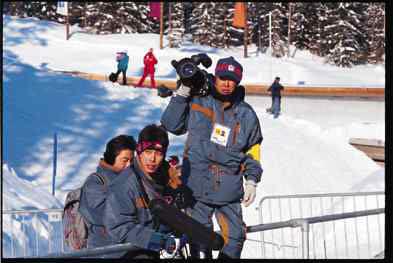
<point>183,91</point>
<point>170,245</point>
<point>249,192</point>
<point>172,253</point>
<point>159,241</point>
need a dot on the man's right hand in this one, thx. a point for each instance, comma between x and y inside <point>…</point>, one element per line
<point>183,91</point>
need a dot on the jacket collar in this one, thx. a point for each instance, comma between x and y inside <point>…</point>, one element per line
<point>105,169</point>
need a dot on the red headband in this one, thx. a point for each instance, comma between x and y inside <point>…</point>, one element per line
<point>143,145</point>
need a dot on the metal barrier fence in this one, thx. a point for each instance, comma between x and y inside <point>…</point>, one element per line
<point>35,233</point>
<point>303,223</point>
<point>346,238</point>
<point>29,233</point>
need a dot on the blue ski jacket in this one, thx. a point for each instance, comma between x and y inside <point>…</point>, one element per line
<point>123,63</point>
<point>92,202</point>
<point>127,217</point>
<point>214,171</point>
<point>276,88</point>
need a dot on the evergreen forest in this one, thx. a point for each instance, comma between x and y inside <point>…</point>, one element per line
<point>344,33</point>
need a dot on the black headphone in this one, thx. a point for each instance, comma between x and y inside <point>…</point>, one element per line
<point>116,145</point>
<point>109,156</point>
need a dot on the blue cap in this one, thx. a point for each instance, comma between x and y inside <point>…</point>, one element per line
<point>229,68</point>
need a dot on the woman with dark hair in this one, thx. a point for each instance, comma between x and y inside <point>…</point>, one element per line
<point>118,155</point>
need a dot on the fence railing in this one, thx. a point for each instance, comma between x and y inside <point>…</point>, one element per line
<point>346,238</point>
<point>303,223</point>
<point>32,232</point>
<point>37,233</point>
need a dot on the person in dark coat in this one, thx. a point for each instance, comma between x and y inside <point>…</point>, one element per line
<point>122,65</point>
<point>127,217</point>
<point>275,90</point>
<point>118,155</point>
<point>149,60</point>
<point>222,148</point>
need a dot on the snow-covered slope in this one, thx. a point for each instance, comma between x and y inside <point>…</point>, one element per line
<point>96,54</point>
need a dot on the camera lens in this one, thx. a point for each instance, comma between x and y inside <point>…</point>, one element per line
<point>187,70</point>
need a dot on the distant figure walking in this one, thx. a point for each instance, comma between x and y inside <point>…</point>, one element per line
<point>149,60</point>
<point>275,90</point>
<point>122,65</point>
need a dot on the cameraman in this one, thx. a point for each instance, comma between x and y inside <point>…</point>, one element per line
<point>222,147</point>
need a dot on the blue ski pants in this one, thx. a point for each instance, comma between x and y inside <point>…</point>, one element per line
<point>230,220</point>
<point>276,108</point>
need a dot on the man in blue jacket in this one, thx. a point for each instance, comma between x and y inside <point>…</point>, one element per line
<point>118,155</point>
<point>275,90</point>
<point>122,65</point>
<point>127,217</point>
<point>222,147</point>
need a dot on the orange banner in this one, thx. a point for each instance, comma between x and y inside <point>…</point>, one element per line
<point>239,18</point>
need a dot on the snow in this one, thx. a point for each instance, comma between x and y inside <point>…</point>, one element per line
<point>305,150</point>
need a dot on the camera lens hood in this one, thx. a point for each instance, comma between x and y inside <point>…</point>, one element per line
<point>187,69</point>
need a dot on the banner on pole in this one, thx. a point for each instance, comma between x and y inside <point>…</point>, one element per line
<point>62,8</point>
<point>239,17</point>
<point>155,8</point>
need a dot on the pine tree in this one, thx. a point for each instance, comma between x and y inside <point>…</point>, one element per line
<point>375,32</point>
<point>300,24</point>
<point>218,36</point>
<point>77,13</point>
<point>202,22</point>
<point>175,35</point>
<point>146,24</point>
<point>17,8</point>
<point>253,26</point>
<point>279,29</point>
<point>41,10</point>
<point>345,36</point>
<point>263,9</point>
<point>188,7</point>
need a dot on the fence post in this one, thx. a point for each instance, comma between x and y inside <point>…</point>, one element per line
<point>54,162</point>
<point>305,227</point>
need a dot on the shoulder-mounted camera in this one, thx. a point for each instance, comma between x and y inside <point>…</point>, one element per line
<point>191,75</point>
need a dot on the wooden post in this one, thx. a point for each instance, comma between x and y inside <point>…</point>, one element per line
<point>289,27</point>
<point>67,24</point>
<point>259,29</point>
<point>170,24</point>
<point>161,24</point>
<point>84,13</point>
<point>225,28</point>
<point>245,30</point>
<point>270,33</point>
<point>259,36</point>
<point>54,163</point>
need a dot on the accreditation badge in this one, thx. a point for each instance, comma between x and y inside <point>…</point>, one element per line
<point>220,134</point>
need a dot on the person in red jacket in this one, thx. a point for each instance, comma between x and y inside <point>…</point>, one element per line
<point>149,60</point>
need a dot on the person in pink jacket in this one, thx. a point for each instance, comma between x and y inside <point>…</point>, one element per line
<point>149,60</point>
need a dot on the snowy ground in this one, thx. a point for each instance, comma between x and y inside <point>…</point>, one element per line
<point>305,150</point>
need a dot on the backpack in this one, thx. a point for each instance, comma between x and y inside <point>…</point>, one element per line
<point>113,77</point>
<point>75,226</point>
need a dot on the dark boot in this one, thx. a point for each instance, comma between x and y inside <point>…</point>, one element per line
<point>197,252</point>
<point>124,78</point>
<point>222,255</point>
